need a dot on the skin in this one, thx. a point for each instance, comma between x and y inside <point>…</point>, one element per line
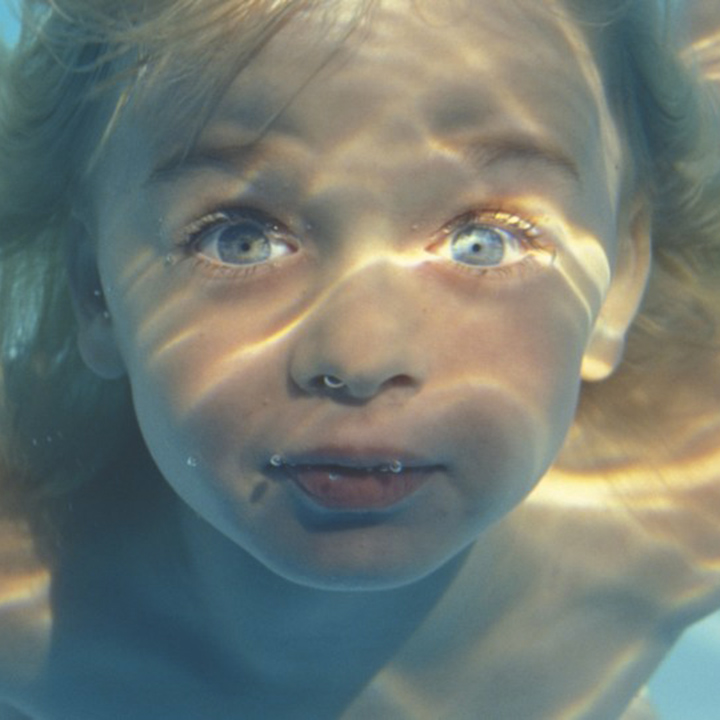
<point>475,372</point>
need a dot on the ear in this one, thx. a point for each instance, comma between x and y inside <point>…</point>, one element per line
<point>96,336</point>
<point>606,346</point>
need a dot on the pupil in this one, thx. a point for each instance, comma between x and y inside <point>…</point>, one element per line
<point>244,243</point>
<point>479,245</point>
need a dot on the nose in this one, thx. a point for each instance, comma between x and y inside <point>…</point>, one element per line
<point>362,337</point>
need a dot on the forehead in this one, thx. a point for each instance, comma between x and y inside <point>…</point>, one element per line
<point>441,70</point>
<point>446,60</point>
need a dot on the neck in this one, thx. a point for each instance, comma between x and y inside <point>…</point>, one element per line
<point>289,634</point>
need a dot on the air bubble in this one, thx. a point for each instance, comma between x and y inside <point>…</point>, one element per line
<point>396,467</point>
<point>276,461</point>
<point>192,461</point>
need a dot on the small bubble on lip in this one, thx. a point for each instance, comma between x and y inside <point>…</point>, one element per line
<point>276,461</point>
<point>395,467</point>
<point>192,461</point>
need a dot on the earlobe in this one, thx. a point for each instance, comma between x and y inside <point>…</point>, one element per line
<point>603,353</point>
<point>96,336</point>
<point>98,349</point>
<point>606,346</point>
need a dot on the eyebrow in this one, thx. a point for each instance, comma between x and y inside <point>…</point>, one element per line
<point>485,152</point>
<point>223,157</point>
<point>482,153</point>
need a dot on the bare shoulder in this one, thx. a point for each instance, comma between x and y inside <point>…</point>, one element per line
<point>632,504</point>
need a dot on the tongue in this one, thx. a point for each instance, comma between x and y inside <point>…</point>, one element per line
<point>348,488</point>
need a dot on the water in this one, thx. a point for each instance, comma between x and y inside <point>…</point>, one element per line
<point>686,685</point>
<point>8,25</point>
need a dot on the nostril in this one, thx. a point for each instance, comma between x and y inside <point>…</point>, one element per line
<point>358,386</point>
<point>327,383</point>
<point>401,381</point>
<point>332,382</point>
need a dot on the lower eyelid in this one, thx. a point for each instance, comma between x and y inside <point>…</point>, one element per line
<point>533,263</point>
<point>217,270</point>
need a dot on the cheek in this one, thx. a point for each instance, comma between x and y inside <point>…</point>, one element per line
<point>554,340</point>
<point>203,387</point>
<point>528,344</point>
<point>203,440</point>
<point>205,374</point>
<point>511,408</point>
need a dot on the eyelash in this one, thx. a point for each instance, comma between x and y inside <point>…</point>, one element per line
<point>523,230</point>
<point>194,233</point>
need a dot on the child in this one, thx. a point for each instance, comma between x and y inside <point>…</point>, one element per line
<point>335,272</point>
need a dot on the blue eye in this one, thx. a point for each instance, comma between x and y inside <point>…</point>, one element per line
<point>482,245</point>
<point>491,240</point>
<point>240,240</point>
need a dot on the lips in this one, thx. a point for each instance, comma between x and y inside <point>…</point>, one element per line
<point>346,481</point>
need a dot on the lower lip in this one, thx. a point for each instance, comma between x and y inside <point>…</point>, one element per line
<point>358,489</point>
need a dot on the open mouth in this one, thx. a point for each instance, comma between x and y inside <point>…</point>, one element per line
<point>356,486</point>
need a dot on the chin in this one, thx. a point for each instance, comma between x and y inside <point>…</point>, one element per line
<point>359,570</point>
<point>354,581</point>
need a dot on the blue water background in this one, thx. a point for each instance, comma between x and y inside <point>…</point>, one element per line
<point>687,686</point>
<point>8,25</point>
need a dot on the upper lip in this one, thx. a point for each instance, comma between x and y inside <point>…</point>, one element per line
<point>357,458</point>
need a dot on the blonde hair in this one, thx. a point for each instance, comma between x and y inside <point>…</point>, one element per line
<point>74,56</point>
<point>672,120</point>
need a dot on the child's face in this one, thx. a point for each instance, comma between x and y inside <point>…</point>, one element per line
<point>431,218</point>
